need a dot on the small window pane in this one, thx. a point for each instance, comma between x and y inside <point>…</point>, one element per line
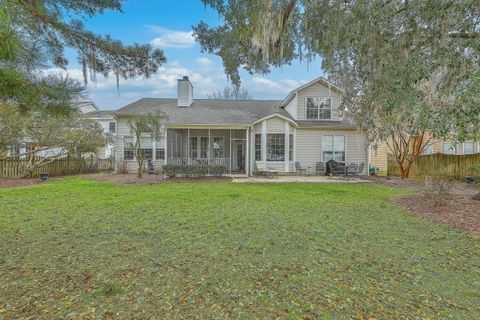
<point>290,148</point>
<point>160,154</point>
<point>258,147</point>
<point>111,127</point>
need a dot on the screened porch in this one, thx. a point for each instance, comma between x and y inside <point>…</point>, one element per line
<point>227,147</point>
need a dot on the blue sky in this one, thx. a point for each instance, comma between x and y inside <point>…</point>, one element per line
<point>167,25</point>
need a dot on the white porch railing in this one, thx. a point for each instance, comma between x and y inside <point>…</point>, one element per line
<point>200,161</point>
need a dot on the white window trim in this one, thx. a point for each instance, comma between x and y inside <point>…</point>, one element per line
<point>346,140</point>
<point>317,97</point>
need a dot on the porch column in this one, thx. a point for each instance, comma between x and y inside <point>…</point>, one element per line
<point>287,147</point>
<point>247,153</point>
<point>209,151</point>
<point>188,146</point>
<point>230,149</point>
<point>166,146</point>
<point>154,149</point>
<point>264,141</point>
<point>294,144</point>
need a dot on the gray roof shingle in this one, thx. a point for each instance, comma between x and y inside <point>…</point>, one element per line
<point>206,111</point>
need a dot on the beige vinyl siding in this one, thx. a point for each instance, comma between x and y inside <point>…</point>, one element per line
<point>275,125</point>
<point>309,145</point>
<point>379,157</point>
<point>292,107</point>
<point>319,90</point>
<point>123,130</point>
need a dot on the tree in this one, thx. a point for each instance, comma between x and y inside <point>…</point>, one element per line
<point>407,67</point>
<point>231,93</point>
<point>150,124</point>
<point>54,137</point>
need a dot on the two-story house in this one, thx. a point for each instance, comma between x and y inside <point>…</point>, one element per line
<point>308,126</point>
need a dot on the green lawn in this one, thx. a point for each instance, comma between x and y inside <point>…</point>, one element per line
<point>195,250</point>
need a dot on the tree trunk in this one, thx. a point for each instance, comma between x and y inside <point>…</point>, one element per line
<point>405,171</point>
<point>140,168</point>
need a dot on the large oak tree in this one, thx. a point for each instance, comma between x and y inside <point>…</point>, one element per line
<point>410,68</point>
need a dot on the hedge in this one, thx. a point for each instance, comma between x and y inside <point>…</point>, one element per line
<point>173,170</point>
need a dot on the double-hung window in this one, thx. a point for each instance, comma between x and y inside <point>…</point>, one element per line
<point>275,147</point>
<point>333,147</point>
<point>128,148</point>
<point>146,148</point>
<point>258,147</point>
<point>318,108</point>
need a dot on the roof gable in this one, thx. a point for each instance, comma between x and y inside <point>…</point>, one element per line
<point>320,80</point>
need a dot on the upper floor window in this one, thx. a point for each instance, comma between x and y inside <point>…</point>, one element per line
<point>111,127</point>
<point>319,108</point>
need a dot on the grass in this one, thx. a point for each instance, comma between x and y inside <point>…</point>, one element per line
<point>86,249</point>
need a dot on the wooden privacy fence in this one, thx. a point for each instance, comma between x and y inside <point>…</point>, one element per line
<point>438,164</point>
<point>14,167</point>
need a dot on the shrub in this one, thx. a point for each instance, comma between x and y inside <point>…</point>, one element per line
<point>122,167</point>
<point>189,171</point>
<point>217,170</point>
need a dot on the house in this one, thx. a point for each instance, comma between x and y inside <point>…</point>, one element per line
<point>107,120</point>
<point>308,126</point>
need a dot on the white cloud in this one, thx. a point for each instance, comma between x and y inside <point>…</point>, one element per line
<point>276,88</point>
<point>172,38</point>
<point>204,62</point>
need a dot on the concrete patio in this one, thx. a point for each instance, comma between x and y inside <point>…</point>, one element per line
<point>302,179</point>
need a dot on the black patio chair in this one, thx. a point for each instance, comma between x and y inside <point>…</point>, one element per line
<point>299,169</point>
<point>320,168</point>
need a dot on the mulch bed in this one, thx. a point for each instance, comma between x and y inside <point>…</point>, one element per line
<point>455,208</point>
<point>148,178</point>
<point>22,182</point>
<point>458,211</point>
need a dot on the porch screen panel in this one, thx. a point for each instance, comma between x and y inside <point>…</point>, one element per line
<point>218,147</point>
<point>204,147</point>
<point>193,147</point>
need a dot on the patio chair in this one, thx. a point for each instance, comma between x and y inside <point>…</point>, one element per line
<point>320,168</point>
<point>299,169</point>
<point>351,169</point>
<point>360,168</point>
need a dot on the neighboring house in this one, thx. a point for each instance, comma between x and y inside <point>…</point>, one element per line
<point>379,157</point>
<point>307,126</point>
<point>25,145</point>
<point>109,125</point>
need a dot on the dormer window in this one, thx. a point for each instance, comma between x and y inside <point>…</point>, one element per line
<point>319,108</point>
